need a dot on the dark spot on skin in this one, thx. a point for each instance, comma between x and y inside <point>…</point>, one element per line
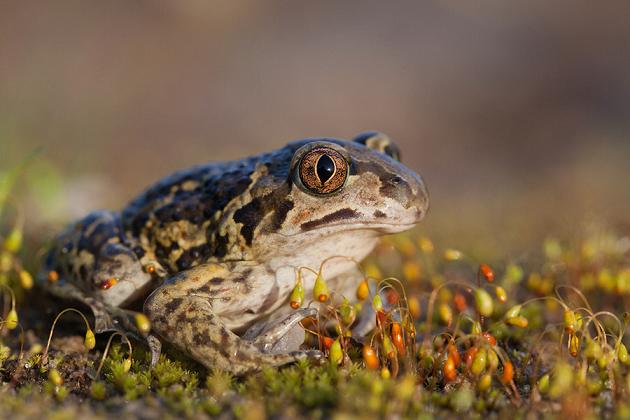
<point>193,256</point>
<point>161,252</point>
<point>220,246</point>
<point>225,341</point>
<point>280,214</point>
<point>205,289</point>
<point>67,247</point>
<point>216,280</point>
<point>249,216</point>
<point>184,261</point>
<point>200,339</point>
<point>139,251</point>
<point>173,305</point>
<point>181,318</point>
<point>83,272</point>
<point>395,187</point>
<point>339,215</point>
<point>393,151</point>
<point>379,214</point>
<point>243,277</point>
<point>392,185</point>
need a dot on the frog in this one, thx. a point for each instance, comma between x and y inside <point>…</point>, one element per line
<point>209,254</point>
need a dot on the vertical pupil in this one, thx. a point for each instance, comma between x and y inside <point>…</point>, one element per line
<point>325,168</point>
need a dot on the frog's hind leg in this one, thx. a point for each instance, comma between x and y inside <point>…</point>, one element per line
<point>184,311</point>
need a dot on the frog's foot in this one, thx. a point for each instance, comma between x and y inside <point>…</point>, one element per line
<point>155,346</point>
<point>182,312</point>
<point>282,336</point>
<point>108,318</point>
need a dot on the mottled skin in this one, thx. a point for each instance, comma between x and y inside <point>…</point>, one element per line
<point>212,250</point>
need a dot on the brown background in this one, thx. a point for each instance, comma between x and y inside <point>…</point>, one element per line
<point>516,113</point>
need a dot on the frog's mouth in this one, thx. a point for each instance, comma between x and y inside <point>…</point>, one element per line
<point>379,228</point>
<point>348,219</point>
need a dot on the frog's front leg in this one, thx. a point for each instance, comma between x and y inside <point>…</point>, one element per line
<point>195,309</point>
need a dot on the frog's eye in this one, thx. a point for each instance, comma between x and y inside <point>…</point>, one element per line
<point>323,170</point>
<point>379,141</point>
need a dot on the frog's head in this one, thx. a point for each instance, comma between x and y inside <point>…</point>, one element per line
<point>329,188</point>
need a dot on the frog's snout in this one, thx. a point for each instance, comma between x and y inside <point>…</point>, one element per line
<point>408,189</point>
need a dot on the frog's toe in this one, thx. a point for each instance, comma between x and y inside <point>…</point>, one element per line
<point>156,349</point>
<point>314,356</point>
<point>286,334</point>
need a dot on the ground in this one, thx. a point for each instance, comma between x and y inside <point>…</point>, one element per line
<point>461,326</point>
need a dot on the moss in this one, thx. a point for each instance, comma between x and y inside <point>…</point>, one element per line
<point>561,365</point>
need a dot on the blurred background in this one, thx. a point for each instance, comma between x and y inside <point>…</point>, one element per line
<point>515,113</point>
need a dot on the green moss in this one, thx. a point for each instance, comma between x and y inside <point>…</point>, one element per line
<point>545,371</point>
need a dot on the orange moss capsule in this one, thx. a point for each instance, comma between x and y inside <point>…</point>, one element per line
<point>397,338</point>
<point>53,276</point>
<point>363,291</point>
<point>453,353</point>
<point>326,341</point>
<point>369,358</point>
<point>449,370</point>
<point>392,296</point>
<point>489,338</point>
<point>381,318</point>
<point>297,295</point>
<point>469,356</point>
<point>107,284</point>
<point>459,300</point>
<point>487,272</point>
<point>508,373</point>
<point>320,289</point>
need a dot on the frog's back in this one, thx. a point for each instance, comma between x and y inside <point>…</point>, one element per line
<point>166,229</point>
<point>180,221</point>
